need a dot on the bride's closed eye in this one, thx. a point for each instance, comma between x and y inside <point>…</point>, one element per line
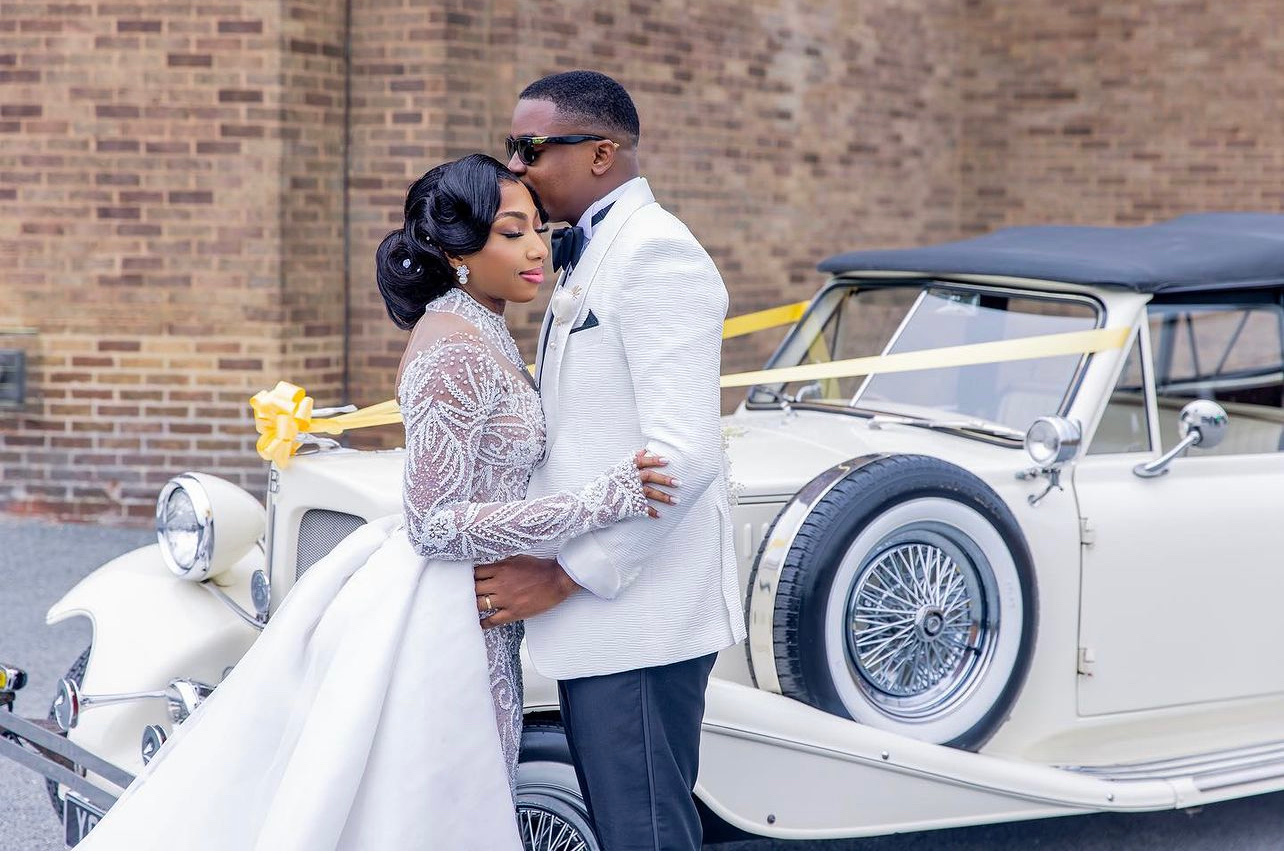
<point>513,235</point>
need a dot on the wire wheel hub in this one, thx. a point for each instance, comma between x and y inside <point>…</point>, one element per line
<point>917,621</point>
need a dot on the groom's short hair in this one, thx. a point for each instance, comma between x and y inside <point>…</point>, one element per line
<point>590,97</point>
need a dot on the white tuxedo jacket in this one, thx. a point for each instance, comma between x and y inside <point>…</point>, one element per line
<point>657,591</point>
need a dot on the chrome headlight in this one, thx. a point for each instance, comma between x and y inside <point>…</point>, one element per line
<point>182,696</point>
<point>185,527</point>
<point>185,512</point>
<point>1051,440</point>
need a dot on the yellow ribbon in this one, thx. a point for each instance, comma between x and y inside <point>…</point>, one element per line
<point>1016,349</point>
<point>781,315</point>
<point>285,412</point>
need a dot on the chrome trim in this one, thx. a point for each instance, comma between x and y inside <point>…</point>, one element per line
<point>251,619</point>
<point>261,592</point>
<point>201,561</point>
<point>766,572</point>
<point>1226,779</point>
<point>183,696</point>
<point>1203,423</point>
<point>69,703</point>
<point>921,620</point>
<point>153,739</point>
<point>1068,434</point>
<point>66,705</point>
<point>1207,771</point>
<point>15,730</point>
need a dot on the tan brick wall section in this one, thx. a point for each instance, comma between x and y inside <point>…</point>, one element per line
<point>172,189</point>
<point>1121,111</point>
<point>191,194</point>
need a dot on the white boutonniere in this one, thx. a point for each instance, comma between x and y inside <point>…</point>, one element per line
<point>563,305</point>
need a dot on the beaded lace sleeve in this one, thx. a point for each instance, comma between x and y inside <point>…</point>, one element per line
<point>460,442</point>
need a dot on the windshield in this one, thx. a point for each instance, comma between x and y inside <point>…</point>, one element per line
<point>849,321</point>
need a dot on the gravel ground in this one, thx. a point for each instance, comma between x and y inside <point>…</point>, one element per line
<point>40,561</point>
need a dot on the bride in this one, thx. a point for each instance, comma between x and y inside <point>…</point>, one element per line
<point>373,711</point>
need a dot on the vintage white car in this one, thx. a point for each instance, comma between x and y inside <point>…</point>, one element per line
<point>1009,532</point>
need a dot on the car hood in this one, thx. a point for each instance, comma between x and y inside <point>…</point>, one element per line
<point>773,454</point>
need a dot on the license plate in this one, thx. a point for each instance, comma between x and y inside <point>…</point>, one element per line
<point>79,817</point>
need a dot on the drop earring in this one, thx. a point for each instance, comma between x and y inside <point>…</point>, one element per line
<point>461,273</point>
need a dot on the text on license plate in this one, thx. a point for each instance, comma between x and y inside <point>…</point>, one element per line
<point>79,817</point>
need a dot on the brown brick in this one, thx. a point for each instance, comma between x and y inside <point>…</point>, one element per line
<point>248,27</point>
<point>240,96</point>
<point>190,60</point>
<point>138,26</point>
<point>115,111</point>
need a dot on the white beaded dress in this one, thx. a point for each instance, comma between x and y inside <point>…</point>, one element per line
<point>373,711</point>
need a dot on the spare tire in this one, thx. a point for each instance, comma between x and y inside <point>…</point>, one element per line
<point>902,595</point>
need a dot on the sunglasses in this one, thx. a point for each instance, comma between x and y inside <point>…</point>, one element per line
<point>524,146</point>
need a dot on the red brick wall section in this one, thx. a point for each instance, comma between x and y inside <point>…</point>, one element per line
<point>1126,111</point>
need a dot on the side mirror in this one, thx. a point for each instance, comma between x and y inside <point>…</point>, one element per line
<point>1202,423</point>
<point>811,391</point>
<point>1206,420</point>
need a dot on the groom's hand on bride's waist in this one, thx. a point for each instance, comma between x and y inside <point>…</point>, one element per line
<point>519,587</point>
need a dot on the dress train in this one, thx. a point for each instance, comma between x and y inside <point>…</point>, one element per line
<point>334,731</point>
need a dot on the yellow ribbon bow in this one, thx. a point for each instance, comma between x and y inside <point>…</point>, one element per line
<point>284,413</point>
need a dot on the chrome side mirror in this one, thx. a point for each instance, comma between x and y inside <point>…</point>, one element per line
<point>1202,423</point>
<point>811,391</point>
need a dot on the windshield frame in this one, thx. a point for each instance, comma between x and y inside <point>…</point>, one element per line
<point>923,283</point>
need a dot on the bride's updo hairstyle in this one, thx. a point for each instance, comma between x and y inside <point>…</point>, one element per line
<point>449,211</point>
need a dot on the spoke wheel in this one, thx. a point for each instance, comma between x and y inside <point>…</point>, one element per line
<point>898,591</point>
<point>921,621</point>
<point>548,823</point>
<point>551,815</point>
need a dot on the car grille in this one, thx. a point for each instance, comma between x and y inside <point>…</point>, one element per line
<point>319,532</point>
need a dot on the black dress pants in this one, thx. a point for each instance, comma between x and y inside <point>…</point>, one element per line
<point>635,740</point>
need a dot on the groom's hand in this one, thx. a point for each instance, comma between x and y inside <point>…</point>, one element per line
<point>519,587</point>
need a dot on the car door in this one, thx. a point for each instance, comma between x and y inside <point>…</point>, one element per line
<point>1181,573</point>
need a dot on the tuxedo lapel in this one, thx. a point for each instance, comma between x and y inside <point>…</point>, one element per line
<point>579,282</point>
<point>546,327</point>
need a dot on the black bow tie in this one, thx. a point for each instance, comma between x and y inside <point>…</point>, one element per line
<point>568,246</point>
<point>569,243</point>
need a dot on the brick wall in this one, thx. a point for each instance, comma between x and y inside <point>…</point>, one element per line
<point>1121,111</point>
<point>172,188</point>
<point>780,132</point>
<point>191,194</point>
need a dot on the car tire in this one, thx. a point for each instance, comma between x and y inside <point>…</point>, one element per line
<point>551,814</point>
<point>907,602</point>
<point>76,673</point>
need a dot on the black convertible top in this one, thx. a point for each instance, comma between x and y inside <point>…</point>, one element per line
<point>1192,252</point>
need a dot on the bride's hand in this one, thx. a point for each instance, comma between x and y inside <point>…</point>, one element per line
<point>647,465</point>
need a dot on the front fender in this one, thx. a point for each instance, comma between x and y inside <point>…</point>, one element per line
<point>149,627</point>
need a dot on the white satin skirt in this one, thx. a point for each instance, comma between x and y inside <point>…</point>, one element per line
<point>361,718</point>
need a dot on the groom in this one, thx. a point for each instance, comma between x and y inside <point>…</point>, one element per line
<point>628,619</point>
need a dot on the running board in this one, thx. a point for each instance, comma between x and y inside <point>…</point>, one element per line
<point>780,768</point>
<point>1207,771</point>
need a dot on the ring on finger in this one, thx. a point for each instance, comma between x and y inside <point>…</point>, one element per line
<point>489,607</point>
